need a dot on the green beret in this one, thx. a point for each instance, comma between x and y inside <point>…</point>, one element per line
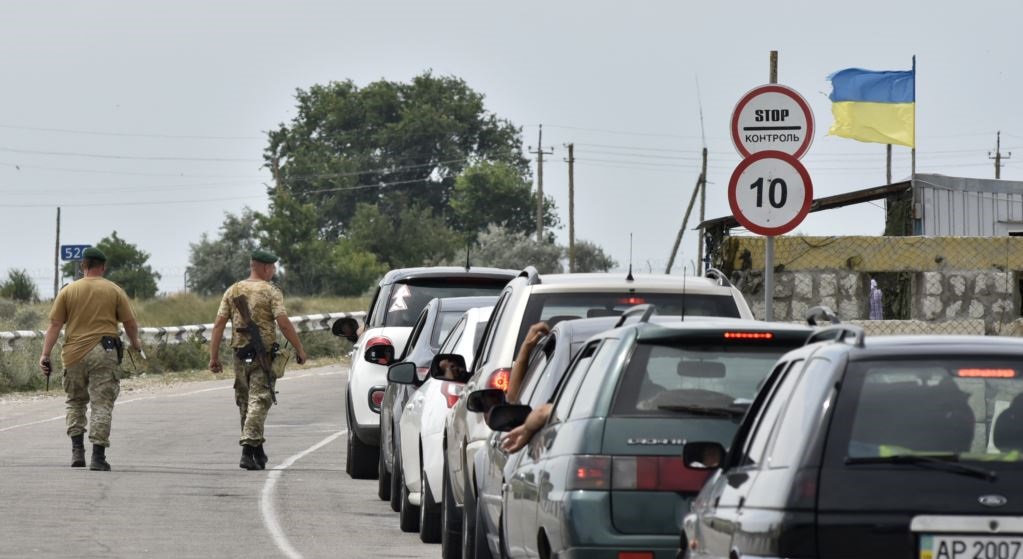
<point>93,253</point>
<point>264,256</point>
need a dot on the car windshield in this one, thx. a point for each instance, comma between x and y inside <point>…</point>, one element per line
<point>408,299</point>
<point>957,410</point>
<point>706,380</point>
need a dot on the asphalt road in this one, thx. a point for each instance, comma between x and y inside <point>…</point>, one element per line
<point>176,489</point>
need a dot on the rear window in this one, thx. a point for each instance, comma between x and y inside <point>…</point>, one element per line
<point>407,299</point>
<point>957,409</point>
<point>699,380</point>
<point>555,307</point>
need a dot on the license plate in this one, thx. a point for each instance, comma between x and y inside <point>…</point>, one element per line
<point>971,547</point>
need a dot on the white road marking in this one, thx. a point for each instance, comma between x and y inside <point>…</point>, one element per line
<point>266,502</point>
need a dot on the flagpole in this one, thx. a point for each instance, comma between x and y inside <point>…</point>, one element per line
<point>913,152</point>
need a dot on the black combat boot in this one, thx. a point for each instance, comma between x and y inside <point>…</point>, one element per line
<point>260,455</point>
<point>248,458</point>
<point>78,451</point>
<point>99,459</point>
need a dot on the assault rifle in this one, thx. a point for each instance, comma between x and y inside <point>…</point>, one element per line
<point>260,353</point>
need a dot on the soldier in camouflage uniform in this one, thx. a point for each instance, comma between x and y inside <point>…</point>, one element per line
<point>252,394</point>
<point>91,307</point>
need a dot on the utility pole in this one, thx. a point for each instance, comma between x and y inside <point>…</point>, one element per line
<point>571,208</point>
<point>56,259</point>
<point>998,155</point>
<point>539,184</point>
<point>685,219</point>
<point>703,209</point>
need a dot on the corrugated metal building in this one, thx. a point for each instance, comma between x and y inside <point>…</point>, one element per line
<point>963,207</point>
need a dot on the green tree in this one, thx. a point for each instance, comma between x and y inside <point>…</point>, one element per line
<point>386,143</point>
<point>215,264</point>
<point>126,266</point>
<point>496,193</point>
<point>413,237</point>
<point>591,258</point>
<point>19,287</point>
<point>501,248</point>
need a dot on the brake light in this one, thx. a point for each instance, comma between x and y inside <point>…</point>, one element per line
<point>631,301</point>
<point>656,473</point>
<point>635,555</point>
<point>987,373</point>
<point>451,391</point>
<point>589,472</point>
<point>749,335</point>
<point>499,379</point>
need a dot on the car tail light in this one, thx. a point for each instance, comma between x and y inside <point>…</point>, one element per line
<point>986,373</point>
<point>749,335</point>
<point>376,398</point>
<point>635,555</point>
<point>499,379</point>
<point>451,392</point>
<point>632,300</point>
<point>379,350</point>
<point>655,473</point>
<point>589,472</point>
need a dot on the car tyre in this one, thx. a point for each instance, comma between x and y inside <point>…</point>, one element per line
<point>383,479</point>
<point>362,458</point>
<point>450,521</point>
<point>429,513</point>
<point>480,544</point>
<point>396,480</point>
<point>408,516</point>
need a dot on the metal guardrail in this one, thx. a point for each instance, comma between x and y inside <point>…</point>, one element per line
<point>9,341</point>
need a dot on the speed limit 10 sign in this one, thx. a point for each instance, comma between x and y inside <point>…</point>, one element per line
<point>770,192</point>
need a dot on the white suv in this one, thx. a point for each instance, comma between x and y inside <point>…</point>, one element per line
<point>531,298</point>
<point>399,298</point>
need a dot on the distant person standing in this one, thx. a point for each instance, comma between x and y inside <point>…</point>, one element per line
<point>91,307</point>
<point>876,297</point>
<point>252,391</point>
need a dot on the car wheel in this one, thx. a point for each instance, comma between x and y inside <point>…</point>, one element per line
<point>408,516</point>
<point>450,521</point>
<point>396,480</point>
<point>482,548</point>
<point>429,513</point>
<point>351,435</point>
<point>383,479</point>
<point>468,521</point>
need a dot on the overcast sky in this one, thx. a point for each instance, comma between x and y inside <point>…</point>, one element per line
<point>149,118</point>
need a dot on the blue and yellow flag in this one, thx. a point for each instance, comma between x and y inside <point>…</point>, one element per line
<point>874,106</point>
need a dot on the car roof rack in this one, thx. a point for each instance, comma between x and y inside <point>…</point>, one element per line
<point>838,334</point>
<point>715,274</point>
<point>645,312</point>
<point>532,276</point>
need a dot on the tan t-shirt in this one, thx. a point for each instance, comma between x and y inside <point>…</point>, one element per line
<point>90,308</point>
<point>266,303</point>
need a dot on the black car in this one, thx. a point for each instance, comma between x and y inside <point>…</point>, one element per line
<point>872,447</point>
<point>428,333</point>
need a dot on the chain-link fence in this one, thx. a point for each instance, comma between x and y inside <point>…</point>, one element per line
<point>913,284</point>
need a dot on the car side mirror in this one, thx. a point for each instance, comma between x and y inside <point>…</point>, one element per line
<point>482,401</point>
<point>449,367</point>
<point>506,417</point>
<point>703,455</point>
<point>346,327</point>
<point>402,373</point>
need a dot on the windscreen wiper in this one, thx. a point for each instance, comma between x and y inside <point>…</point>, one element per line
<point>927,461</point>
<point>732,413</point>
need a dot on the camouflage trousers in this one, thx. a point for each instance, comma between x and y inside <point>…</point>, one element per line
<point>93,380</point>
<point>253,398</point>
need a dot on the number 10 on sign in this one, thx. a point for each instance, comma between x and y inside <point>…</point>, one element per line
<point>770,193</point>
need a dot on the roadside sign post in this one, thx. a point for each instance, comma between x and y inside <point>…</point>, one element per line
<point>770,191</point>
<point>72,252</point>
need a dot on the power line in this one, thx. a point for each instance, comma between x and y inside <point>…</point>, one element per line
<point>127,134</point>
<point>133,157</point>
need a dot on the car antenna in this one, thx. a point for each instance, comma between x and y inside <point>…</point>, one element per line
<point>629,277</point>
<point>468,246</point>
<point>685,274</point>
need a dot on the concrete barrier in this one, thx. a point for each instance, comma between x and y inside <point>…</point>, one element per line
<point>10,341</point>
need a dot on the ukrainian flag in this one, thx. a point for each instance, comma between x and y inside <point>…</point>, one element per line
<point>874,106</point>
